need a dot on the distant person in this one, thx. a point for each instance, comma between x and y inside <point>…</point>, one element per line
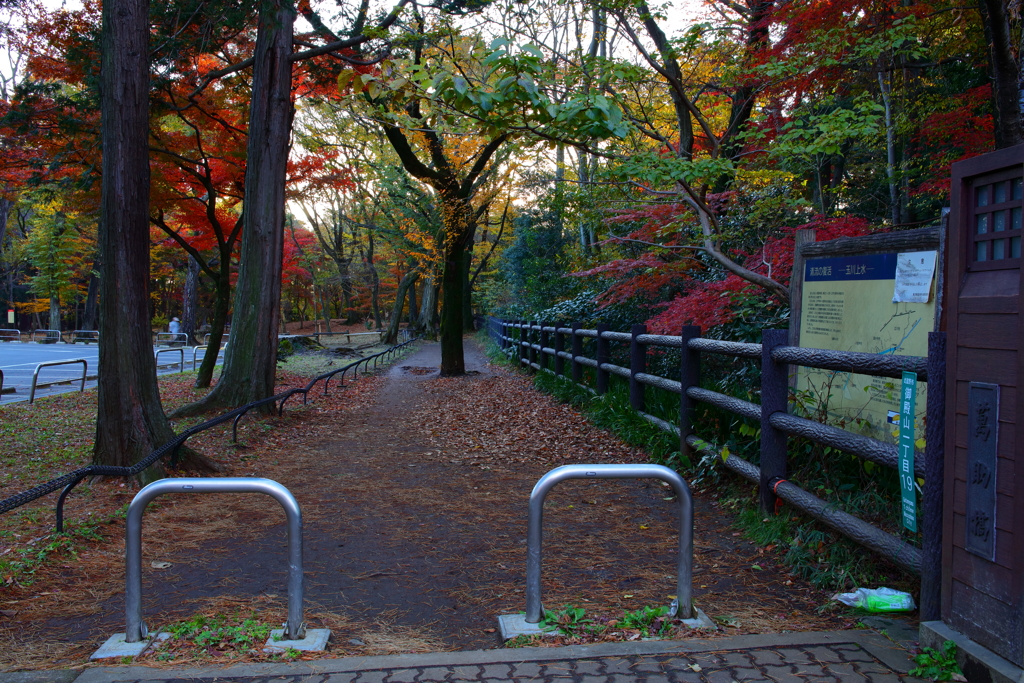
<point>175,327</point>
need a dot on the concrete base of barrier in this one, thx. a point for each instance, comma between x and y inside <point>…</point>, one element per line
<point>701,621</point>
<point>315,641</point>
<point>512,625</point>
<point>116,647</point>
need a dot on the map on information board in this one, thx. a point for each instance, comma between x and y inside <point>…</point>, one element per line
<point>847,305</point>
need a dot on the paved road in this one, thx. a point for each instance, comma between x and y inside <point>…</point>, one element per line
<point>18,362</point>
<point>834,657</point>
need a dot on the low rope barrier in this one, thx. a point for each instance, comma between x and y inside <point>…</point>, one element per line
<point>69,481</point>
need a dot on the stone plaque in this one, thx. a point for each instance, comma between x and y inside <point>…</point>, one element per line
<point>982,442</point>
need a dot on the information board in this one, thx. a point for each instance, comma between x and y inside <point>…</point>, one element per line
<point>849,303</point>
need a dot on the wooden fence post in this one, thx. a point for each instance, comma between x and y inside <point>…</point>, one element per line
<point>576,348</point>
<point>559,348</point>
<point>543,362</point>
<point>532,352</point>
<point>934,480</point>
<point>637,364</point>
<point>602,358</point>
<point>689,376</point>
<point>774,387</point>
<point>522,342</point>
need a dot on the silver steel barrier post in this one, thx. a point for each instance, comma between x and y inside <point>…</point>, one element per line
<point>156,357</point>
<point>50,363</point>
<point>535,529</point>
<point>136,629</point>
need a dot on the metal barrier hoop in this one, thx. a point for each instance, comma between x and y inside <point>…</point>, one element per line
<point>135,628</point>
<point>85,335</point>
<point>156,356</point>
<point>535,525</point>
<point>47,334</point>
<point>50,363</point>
<point>171,338</point>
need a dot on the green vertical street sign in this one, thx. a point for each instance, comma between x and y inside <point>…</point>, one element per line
<point>908,398</point>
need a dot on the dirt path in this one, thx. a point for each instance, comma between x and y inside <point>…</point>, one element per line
<point>415,523</point>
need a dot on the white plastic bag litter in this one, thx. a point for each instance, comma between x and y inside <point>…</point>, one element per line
<point>878,600</point>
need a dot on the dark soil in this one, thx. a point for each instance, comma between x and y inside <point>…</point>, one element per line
<point>415,528</point>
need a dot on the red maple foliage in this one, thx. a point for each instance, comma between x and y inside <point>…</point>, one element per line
<point>696,301</point>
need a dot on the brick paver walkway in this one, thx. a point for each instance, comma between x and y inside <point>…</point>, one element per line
<point>835,657</point>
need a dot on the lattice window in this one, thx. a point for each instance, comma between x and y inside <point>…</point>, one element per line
<point>996,213</point>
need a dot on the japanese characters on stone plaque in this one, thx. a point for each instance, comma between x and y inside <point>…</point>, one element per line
<point>982,454</point>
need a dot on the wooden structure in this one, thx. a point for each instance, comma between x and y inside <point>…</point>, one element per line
<point>983,522</point>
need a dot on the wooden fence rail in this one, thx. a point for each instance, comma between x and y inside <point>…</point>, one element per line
<point>534,343</point>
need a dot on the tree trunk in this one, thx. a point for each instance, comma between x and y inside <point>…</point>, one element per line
<point>130,422</point>
<point>408,281</point>
<point>221,304</point>
<point>371,270</point>
<point>1003,70</point>
<point>190,299</point>
<point>427,322</point>
<point>453,361</point>
<point>413,309</point>
<point>325,309</point>
<point>890,150</point>
<point>459,225</point>
<point>250,362</point>
<point>91,299</point>
<point>54,319</point>
<point>467,288</point>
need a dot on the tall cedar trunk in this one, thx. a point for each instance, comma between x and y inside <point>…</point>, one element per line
<point>130,422</point>
<point>92,299</point>
<point>1004,74</point>
<point>190,298</point>
<point>406,283</point>
<point>250,361</point>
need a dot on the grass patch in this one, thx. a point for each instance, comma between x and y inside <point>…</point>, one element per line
<point>19,565</point>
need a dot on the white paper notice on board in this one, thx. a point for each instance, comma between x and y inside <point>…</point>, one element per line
<point>914,273</point>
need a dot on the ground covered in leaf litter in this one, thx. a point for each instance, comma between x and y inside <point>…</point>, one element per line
<point>413,490</point>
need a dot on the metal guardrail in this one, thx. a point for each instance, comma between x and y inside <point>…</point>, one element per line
<point>348,335</point>
<point>49,336</point>
<point>10,335</point>
<point>223,340</point>
<point>66,483</point>
<point>683,605</point>
<point>136,628</point>
<point>156,356</point>
<point>51,363</point>
<point>169,338</point>
<point>86,336</point>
